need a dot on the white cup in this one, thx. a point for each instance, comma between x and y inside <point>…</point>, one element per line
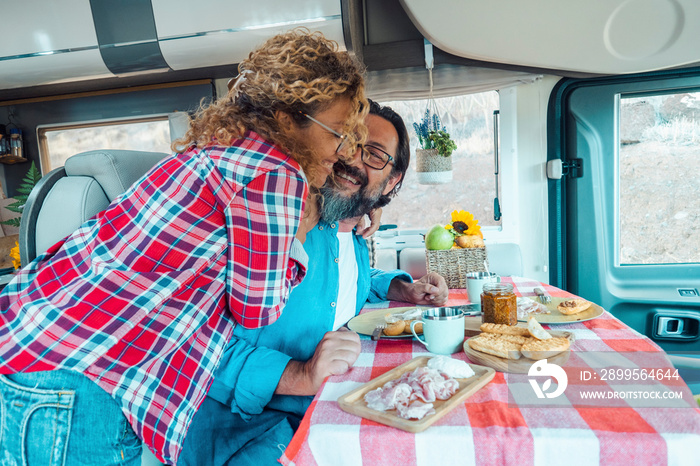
<point>443,329</point>
<point>475,285</point>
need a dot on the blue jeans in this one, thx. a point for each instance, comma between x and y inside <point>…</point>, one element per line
<point>62,418</point>
<point>218,437</point>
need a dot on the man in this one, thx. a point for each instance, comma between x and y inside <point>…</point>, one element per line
<point>267,378</point>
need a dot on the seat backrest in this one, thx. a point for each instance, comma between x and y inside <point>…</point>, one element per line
<point>68,196</point>
<point>505,259</point>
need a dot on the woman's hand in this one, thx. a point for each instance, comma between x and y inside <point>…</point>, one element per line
<point>309,218</point>
<point>375,217</point>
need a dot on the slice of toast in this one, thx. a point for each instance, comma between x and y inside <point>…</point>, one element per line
<point>573,306</point>
<point>519,339</point>
<point>504,329</point>
<point>542,349</point>
<point>496,347</point>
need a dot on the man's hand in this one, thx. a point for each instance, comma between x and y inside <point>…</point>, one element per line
<point>334,355</point>
<point>430,289</point>
<point>375,217</point>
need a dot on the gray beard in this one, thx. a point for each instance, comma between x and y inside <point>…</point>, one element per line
<point>335,207</point>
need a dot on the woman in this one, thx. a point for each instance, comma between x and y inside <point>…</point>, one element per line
<point>143,297</point>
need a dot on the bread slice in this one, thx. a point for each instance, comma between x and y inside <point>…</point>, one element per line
<point>543,349</point>
<point>536,330</point>
<point>496,347</point>
<point>504,329</point>
<point>519,339</point>
<point>573,306</point>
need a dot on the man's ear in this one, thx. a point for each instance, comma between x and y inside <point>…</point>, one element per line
<point>393,180</point>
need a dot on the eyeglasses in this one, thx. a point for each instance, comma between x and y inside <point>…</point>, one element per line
<point>374,157</point>
<point>343,137</point>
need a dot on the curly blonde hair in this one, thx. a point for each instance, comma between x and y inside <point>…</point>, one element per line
<point>295,72</point>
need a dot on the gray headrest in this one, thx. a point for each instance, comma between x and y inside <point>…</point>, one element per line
<point>114,170</point>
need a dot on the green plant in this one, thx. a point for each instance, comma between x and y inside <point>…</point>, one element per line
<point>432,135</point>
<point>443,142</point>
<point>30,180</point>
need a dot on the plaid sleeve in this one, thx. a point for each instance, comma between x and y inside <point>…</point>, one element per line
<point>262,221</point>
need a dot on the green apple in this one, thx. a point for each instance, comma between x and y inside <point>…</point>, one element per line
<point>438,238</point>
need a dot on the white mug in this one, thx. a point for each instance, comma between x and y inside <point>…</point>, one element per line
<point>443,329</point>
<point>475,284</point>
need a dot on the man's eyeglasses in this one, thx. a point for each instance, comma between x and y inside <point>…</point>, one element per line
<point>343,137</point>
<point>374,157</point>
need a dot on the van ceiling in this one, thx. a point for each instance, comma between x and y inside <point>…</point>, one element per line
<point>79,45</point>
<point>603,37</point>
<point>100,44</point>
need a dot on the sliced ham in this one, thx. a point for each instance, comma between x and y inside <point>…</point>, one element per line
<point>413,393</point>
<point>415,410</point>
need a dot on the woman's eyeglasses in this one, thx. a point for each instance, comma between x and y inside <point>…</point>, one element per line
<point>372,156</point>
<point>343,137</point>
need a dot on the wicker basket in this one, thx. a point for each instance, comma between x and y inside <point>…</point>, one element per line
<point>454,264</point>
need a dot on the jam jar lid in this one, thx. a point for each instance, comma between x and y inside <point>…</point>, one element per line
<point>498,289</point>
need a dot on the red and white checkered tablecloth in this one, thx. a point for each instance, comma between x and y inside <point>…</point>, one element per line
<point>494,426</point>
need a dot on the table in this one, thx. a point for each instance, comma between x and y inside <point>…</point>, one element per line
<point>498,424</point>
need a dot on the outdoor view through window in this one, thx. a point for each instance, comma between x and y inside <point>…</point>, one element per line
<point>659,172</point>
<point>65,142</point>
<point>469,120</point>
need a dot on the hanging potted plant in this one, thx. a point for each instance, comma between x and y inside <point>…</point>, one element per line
<point>434,157</point>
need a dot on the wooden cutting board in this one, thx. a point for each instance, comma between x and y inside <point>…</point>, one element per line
<point>518,366</point>
<point>354,403</point>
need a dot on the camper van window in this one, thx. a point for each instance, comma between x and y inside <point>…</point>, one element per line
<point>57,143</point>
<point>659,145</point>
<point>469,120</point>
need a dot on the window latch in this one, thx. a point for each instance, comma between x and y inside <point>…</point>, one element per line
<point>571,168</point>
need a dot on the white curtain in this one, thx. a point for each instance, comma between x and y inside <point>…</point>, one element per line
<point>448,80</point>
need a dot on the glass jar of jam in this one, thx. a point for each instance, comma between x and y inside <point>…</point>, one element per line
<point>499,304</point>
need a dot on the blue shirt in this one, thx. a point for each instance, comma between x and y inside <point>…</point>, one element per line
<point>254,359</point>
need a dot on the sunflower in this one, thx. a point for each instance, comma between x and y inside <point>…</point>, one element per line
<point>463,223</point>
<point>14,254</point>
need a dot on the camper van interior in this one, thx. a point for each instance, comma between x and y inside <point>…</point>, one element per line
<point>577,133</point>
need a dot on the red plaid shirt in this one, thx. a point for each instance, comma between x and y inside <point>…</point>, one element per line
<point>142,298</point>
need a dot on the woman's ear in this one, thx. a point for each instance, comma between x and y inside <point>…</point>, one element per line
<point>285,121</point>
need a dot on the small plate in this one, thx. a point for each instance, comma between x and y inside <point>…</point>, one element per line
<point>556,317</point>
<point>365,323</point>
